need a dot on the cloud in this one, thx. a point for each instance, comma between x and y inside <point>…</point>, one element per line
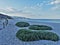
<point>10,10</point>
<point>55,2</point>
<point>40,4</point>
<point>30,12</point>
<point>56,8</point>
<point>26,11</point>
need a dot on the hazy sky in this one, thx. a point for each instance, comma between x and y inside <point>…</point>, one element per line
<point>31,8</point>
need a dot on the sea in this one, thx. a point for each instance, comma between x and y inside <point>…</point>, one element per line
<point>45,20</point>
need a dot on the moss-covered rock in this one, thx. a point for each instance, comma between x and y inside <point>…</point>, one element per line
<point>29,35</point>
<point>22,24</point>
<point>40,27</point>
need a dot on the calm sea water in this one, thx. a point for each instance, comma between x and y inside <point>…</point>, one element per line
<point>37,20</point>
<point>46,20</point>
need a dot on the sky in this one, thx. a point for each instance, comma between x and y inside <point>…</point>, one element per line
<point>36,9</point>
